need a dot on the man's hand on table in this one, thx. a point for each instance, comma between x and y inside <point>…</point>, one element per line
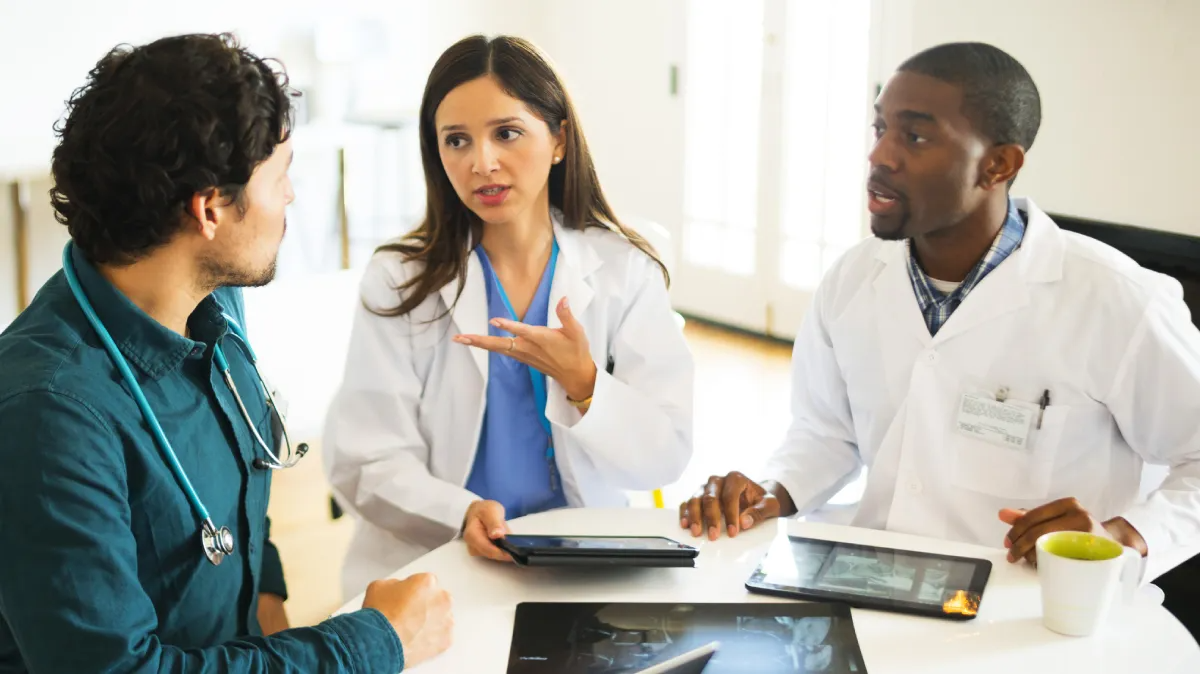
<point>1061,515</point>
<point>418,610</point>
<point>737,501</point>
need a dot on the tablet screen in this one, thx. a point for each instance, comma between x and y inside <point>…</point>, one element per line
<point>938,583</point>
<point>628,638</point>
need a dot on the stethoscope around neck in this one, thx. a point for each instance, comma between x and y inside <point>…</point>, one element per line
<point>217,542</point>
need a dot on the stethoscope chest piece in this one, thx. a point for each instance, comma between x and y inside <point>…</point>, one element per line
<point>217,542</point>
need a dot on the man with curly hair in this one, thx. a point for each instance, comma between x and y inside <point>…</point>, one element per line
<point>171,175</point>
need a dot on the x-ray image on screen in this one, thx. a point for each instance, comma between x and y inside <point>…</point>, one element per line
<point>613,638</point>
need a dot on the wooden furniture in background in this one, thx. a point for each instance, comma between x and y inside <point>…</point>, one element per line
<point>21,244</point>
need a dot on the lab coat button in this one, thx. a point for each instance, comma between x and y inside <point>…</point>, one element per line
<point>914,486</point>
<point>931,356</point>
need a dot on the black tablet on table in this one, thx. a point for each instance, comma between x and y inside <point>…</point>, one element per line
<point>654,551</point>
<point>903,581</point>
<point>683,638</point>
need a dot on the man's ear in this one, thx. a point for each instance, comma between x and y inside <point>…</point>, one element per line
<point>207,211</point>
<point>1001,165</point>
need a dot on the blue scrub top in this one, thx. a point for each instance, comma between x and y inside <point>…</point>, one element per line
<point>510,464</point>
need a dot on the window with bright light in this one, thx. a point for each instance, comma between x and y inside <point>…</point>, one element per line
<point>827,100</point>
<point>723,98</point>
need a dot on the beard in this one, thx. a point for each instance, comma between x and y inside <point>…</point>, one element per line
<point>222,273</point>
<point>891,228</point>
<point>256,280</point>
<point>215,274</point>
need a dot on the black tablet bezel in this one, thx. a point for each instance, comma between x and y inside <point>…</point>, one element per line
<point>979,577</point>
<point>684,551</point>
<point>595,561</point>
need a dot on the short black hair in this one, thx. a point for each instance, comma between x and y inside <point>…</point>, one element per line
<point>154,125</point>
<point>999,96</point>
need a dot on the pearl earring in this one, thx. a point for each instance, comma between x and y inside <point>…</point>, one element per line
<point>557,159</point>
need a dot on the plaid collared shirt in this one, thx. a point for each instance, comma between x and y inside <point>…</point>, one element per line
<point>937,306</point>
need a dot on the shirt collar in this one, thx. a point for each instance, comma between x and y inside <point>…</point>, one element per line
<point>1008,239</point>
<point>147,344</point>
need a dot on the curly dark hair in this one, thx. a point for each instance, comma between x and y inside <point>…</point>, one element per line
<point>155,125</point>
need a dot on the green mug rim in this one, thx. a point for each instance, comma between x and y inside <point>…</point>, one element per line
<point>1110,544</point>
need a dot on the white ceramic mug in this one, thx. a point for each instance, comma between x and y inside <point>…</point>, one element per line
<point>1081,576</point>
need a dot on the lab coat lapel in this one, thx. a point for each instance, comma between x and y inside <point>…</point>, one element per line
<point>1007,288</point>
<point>576,262</point>
<point>895,301</point>
<point>470,313</point>
<point>900,329</point>
<point>1001,292</point>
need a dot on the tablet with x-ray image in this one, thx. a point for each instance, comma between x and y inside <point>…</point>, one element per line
<point>670,638</point>
<point>864,576</point>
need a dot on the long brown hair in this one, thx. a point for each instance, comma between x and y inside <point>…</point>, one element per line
<point>443,240</point>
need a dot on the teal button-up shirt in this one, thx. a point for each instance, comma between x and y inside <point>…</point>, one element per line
<point>101,566</point>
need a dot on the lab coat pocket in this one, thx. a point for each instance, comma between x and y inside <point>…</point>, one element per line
<point>1019,474</point>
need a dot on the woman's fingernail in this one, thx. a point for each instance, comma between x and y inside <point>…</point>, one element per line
<point>566,304</point>
<point>497,533</point>
<point>732,531</point>
<point>683,523</point>
<point>712,533</point>
<point>462,340</point>
<point>747,522</point>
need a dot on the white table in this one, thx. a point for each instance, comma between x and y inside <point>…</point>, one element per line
<point>1006,637</point>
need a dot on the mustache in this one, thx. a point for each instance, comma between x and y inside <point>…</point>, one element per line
<point>877,182</point>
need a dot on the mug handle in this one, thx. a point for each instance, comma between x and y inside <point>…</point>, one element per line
<point>1131,575</point>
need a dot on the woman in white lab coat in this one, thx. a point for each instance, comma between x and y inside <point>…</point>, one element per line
<point>439,425</point>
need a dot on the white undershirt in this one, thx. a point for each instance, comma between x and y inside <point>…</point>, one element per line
<point>944,287</point>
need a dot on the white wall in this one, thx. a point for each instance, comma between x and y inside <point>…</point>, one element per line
<point>1118,85</point>
<point>615,57</point>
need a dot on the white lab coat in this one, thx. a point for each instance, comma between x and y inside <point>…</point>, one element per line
<point>402,432</point>
<point>1112,341</point>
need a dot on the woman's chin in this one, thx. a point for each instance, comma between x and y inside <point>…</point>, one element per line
<point>493,215</point>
